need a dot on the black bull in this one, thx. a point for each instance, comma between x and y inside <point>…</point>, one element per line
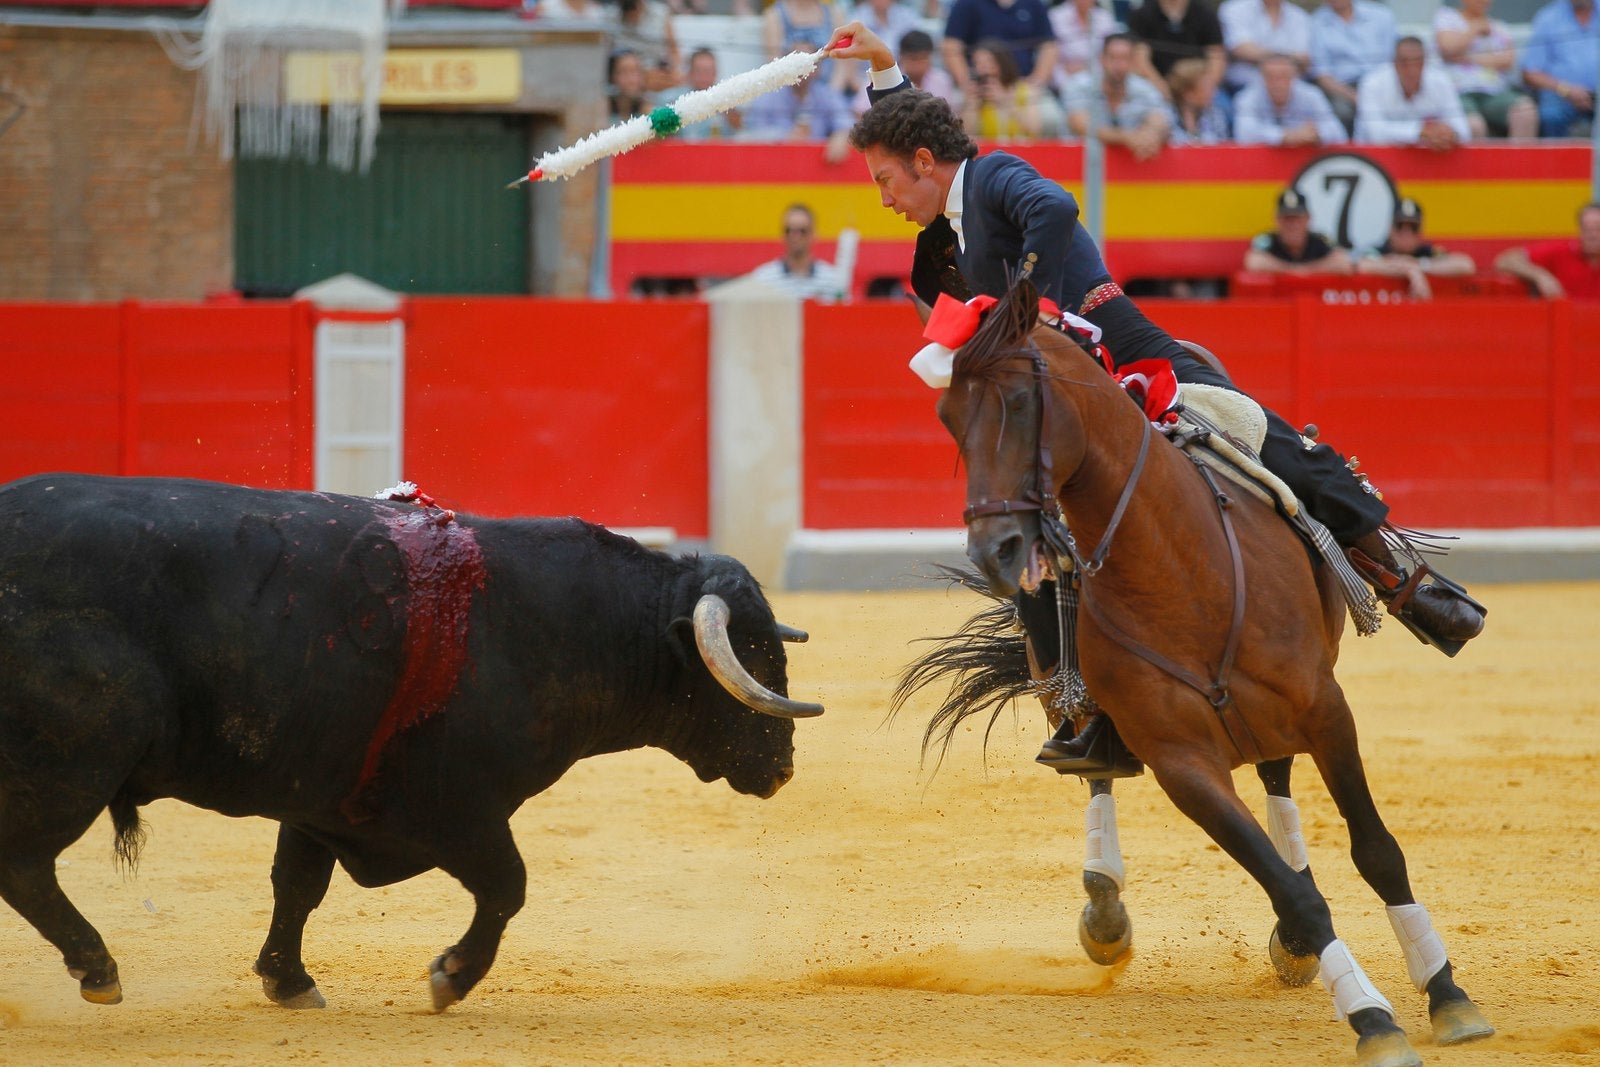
<point>388,682</point>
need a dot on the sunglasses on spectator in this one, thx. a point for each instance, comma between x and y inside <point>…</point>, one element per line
<point>790,231</point>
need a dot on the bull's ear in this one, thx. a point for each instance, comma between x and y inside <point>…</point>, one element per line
<point>680,638</point>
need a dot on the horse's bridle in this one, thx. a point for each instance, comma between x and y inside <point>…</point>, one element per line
<point>1042,498</point>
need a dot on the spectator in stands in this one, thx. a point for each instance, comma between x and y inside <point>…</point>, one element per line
<point>645,27</point>
<point>1349,39</point>
<point>703,75</point>
<point>1406,254</point>
<point>1080,26</point>
<point>625,77</point>
<point>805,26</point>
<point>1410,101</point>
<point>1169,31</point>
<point>798,272</point>
<point>1480,55</point>
<point>1022,24</point>
<point>890,20</point>
<point>1281,109</point>
<point>1559,64</point>
<point>1563,267</point>
<point>1116,105</point>
<point>916,63</point>
<point>585,10</point>
<point>1196,116</point>
<point>1292,247</point>
<point>805,111</point>
<point>1001,106</point>
<point>1252,30</point>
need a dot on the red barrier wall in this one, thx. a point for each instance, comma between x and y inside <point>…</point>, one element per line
<point>185,390</point>
<point>539,407</point>
<point>1471,414</point>
<point>1453,408</point>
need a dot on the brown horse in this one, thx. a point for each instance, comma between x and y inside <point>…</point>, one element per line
<point>1206,631</point>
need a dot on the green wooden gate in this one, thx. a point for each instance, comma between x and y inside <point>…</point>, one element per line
<point>429,216</point>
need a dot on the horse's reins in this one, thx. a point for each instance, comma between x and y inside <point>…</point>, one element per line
<point>1059,537</point>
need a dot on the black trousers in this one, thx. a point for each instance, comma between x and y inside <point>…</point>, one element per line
<point>1317,475</point>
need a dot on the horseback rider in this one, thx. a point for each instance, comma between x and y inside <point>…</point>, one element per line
<point>982,215</point>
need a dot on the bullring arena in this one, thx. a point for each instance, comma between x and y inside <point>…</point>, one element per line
<point>877,912</point>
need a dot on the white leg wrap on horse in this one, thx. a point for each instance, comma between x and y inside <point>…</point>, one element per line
<point>1424,949</point>
<point>1102,851</point>
<point>1283,827</point>
<point>1343,977</point>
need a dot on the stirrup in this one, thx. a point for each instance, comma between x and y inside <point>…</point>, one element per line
<point>1396,590</point>
<point>1096,752</point>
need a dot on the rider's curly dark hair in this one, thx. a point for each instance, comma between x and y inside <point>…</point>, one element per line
<point>909,119</point>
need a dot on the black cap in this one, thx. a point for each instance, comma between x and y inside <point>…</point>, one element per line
<point>1290,202</point>
<point>1408,210</point>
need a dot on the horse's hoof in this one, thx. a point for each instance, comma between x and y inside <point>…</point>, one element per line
<point>1293,971</point>
<point>1105,953</point>
<point>1390,1049</point>
<point>1458,1021</point>
<point>110,993</point>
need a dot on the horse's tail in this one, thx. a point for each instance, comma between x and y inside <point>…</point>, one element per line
<point>985,663</point>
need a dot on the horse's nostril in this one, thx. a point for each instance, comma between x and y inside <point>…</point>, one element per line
<point>1009,550</point>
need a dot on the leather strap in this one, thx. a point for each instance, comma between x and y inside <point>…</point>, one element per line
<point>1216,692</point>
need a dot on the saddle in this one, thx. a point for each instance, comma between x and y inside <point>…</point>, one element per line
<point>1224,430</point>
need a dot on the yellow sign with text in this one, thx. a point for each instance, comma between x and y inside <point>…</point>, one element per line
<point>410,76</point>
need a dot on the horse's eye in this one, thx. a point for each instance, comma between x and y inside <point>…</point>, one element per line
<point>1019,403</point>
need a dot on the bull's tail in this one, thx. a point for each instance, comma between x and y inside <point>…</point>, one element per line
<point>985,663</point>
<point>129,831</point>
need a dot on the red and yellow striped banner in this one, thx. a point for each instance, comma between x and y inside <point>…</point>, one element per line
<point>716,209</point>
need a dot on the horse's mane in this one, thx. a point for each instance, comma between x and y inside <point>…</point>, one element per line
<point>1002,331</point>
<point>985,663</point>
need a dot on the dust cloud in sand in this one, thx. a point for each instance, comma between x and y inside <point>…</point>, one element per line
<point>877,912</point>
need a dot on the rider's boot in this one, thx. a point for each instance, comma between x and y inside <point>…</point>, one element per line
<point>1431,606</point>
<point>1096,751</point>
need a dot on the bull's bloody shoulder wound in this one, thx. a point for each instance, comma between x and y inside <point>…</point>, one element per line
<point>444,569</point>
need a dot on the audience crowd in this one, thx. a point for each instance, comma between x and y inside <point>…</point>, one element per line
<point>1176,72</point>
<point>1172,72</point>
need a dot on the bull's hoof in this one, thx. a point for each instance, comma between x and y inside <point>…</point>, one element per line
<point>306,998</point>
<point>110,993</point>
<point>1457,1021</point>
<point>1105,953</point>
<point>1293,971</point>
<point>444,994</point>
<point>1388,1049</point>
<point>440,975</point>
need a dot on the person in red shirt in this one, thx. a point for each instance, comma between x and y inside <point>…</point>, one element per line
<point>1561,268</point>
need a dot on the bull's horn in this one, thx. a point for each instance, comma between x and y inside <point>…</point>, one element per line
<point>790,634</point>
<point>711,635</point>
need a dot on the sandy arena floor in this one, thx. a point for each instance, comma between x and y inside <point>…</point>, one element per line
<point>874,912</point>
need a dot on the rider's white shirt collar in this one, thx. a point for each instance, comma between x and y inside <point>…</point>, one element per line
<point>952,203</point>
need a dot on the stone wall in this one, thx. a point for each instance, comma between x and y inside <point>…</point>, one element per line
<point>109,190</point>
